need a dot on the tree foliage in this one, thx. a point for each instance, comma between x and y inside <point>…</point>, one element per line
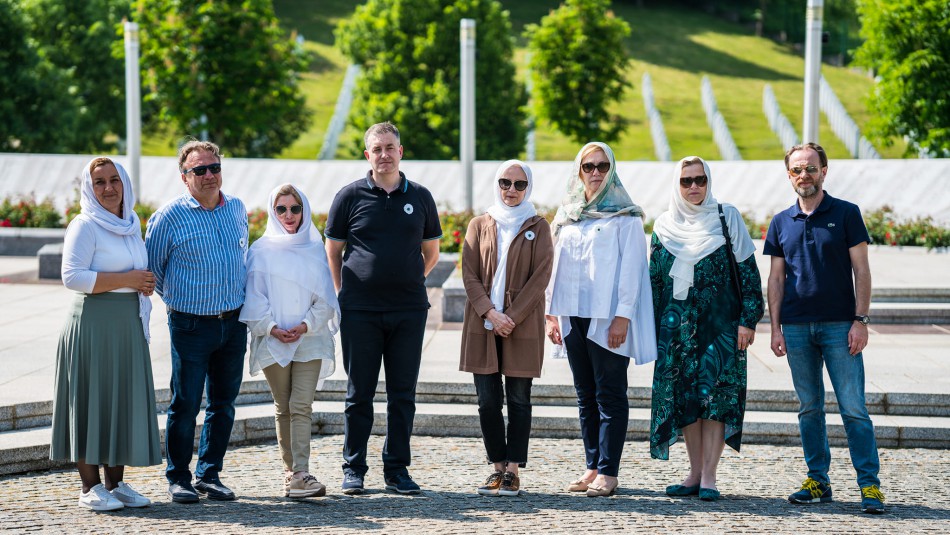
<point>78,37</point>
<point>578,64</point>
<point>38,110</point>
<point>409,53</point>
<point>907,43</point>
<point>226,68</point>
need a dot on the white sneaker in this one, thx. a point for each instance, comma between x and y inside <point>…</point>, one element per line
<point>99,499</point>
<point>129,496</point>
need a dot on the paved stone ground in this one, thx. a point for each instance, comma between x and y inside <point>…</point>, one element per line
<point>754,484</point>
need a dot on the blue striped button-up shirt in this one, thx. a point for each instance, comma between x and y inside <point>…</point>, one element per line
<point>197,255</point>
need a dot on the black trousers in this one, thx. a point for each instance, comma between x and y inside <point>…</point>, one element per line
<point>512,448</point>
<point>372,339</point>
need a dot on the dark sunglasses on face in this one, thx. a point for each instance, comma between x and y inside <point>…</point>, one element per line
<point>796,171</point>
<point>215,168</point>
<point>294,209</point>
<point>505,184</point>
<point>688,181</point>
<point>589,167</point>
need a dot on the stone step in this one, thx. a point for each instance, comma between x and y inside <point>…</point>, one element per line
<point>28,450</point>
<point>37,414</point>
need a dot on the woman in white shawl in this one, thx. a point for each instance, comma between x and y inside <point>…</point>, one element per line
<point>506,264</point>
<point>705,321</point>
<point>599,307</point>
<point>292,313</point>
<point>104,398</point>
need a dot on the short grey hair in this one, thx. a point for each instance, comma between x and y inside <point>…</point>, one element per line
<point>380,128</point>
<point>192,146</point>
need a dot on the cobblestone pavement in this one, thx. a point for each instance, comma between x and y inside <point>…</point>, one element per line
<point>754,484</point>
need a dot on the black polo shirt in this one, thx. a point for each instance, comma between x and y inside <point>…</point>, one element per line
<point>383,267</point>
<point>819,283</point>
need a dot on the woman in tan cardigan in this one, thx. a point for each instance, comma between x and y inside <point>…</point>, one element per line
<point>506,264</point>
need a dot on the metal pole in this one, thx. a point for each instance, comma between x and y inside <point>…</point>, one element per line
<point>133,105</point>
<point>467,111</point>
<point>813,17</point>
<point>529,86</point>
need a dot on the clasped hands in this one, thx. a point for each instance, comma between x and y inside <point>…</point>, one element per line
<point>501,323</point>
<point>143,281</point>
<point>288,336</point>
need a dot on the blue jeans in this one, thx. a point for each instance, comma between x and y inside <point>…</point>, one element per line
<point>600,380</point>
<point>809,346</point>
<point>206,353</point>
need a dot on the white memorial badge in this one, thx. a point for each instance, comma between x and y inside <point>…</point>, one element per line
<point>529,235</point>
<point>407,208</point>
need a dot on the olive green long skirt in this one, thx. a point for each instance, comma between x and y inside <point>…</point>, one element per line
<point>104,399</point>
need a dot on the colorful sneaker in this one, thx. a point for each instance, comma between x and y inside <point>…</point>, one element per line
<point>872,500</point>
<point>306,486</point>
<point>510,485</point>
<point>490,488</point>
<point>812,492</point>
<point>99,499</point>
<point>129,496</point>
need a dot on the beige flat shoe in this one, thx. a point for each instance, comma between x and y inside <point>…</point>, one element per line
<point>594,491</point>
<point>578,486</point>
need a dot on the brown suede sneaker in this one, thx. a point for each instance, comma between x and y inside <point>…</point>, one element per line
<point>304,487</point>
<point>510,485</point>
<point>492,484</point>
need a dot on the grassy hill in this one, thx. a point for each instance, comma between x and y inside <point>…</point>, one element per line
<point>677,47</point>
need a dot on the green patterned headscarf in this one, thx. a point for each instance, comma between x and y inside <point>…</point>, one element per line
<point>610,200</point>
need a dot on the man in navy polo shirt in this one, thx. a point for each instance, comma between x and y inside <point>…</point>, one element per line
<point>389,228</point>
<point>819,318</point>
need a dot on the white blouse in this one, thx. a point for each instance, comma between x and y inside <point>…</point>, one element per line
<point>316,343</point>
<point>88,250</point>
<point>601,271</point>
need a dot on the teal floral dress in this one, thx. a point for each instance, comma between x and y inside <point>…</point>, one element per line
<point>699,373</point>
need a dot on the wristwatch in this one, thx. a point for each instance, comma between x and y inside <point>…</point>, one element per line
<point>863,319</point>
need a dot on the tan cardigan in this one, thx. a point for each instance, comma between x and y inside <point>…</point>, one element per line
<point>528,271</point>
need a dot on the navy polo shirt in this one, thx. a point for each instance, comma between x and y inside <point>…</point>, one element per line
<point>819,285</point>
<point>383,267</point>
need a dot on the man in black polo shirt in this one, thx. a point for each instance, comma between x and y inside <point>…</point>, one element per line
<point>819,318</point>
<point>389,228</point>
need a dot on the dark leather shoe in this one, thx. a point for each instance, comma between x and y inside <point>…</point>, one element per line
<point>182,492</point>
<point>213,487</point>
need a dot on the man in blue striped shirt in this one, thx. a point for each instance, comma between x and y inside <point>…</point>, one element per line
<point>196,245</point>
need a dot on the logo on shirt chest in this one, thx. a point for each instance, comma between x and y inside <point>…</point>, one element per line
<point>408,209</point>
<point>831,225</point>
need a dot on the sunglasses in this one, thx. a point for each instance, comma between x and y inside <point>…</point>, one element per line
<point>688,181</point>
<point>281,209</point>
<point>505,184</point>
<point>215,168</point>
<point>796,171</point>
<point>589,167</point>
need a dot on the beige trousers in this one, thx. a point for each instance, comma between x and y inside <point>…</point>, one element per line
<point>293,388</point>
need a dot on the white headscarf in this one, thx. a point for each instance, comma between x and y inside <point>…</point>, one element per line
<point>298,258</point>
<point>508,221</point>
<point>128,226</point>
<point>691,232</point>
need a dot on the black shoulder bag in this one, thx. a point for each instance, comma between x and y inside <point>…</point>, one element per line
<point>733,265</point>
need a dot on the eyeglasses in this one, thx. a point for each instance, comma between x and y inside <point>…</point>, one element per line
<point>505,184</point>
<point>796,171</point>
<point>215,168</point>
<point>589,167</point>
<point>688,181</point>
<point>281,209</point>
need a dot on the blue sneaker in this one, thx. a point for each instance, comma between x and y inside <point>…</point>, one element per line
<point>352,483</point>
<point>402,483</point>
<point>812,492</point>
<point>872,500</point>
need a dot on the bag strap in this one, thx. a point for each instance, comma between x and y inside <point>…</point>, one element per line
<point>733,264</point>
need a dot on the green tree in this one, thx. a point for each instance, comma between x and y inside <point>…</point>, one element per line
<point>225,68</point>
<point>78,36</point>
<point>409,53</point>
<point>907,43</point>
<point>578,63</point>
<point>35,104</point>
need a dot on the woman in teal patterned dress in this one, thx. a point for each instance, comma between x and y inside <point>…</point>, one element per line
<point>703,327</point>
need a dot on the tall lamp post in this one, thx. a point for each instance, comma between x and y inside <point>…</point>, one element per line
<point>467,102</point>
<point>133,105</point>
<point>813,18</point>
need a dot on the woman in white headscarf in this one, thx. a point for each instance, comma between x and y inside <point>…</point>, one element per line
<point>599,307</point>
<point>292,313</point>
<point>706,314</point>
<point>506,264</point>
<point>104,398</point>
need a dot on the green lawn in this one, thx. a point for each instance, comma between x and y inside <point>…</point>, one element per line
<point>676,46</point>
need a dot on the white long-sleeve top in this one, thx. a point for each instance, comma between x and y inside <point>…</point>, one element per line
<point>316,343</point>
<point>601,271</point>
<point>88,250</point>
